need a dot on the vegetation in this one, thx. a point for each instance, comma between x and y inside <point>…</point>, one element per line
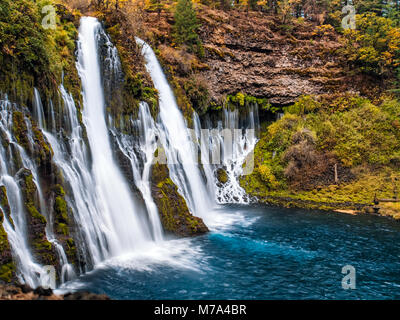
<point>374,47</point>
<point>297,155</point>
<point>136,86</point>
<point>186,24</point>
<point>241,100</point>
<point>31,55</point>
<point>43,249</point>
<point>7,266</point>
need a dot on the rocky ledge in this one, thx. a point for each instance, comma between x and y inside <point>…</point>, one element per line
<point>249,52</point>
<point>24,292</point>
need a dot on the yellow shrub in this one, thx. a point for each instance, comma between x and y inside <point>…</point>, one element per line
<point>267,176</point>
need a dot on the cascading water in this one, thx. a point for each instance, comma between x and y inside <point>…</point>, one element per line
<point>118,216</point>
<point>76,171</point>
<point>108,220</point>
<point>147,146</point>
<point>182,149</point>
<point>38,109</point>
<point>67,271</point>
<point>227,147</point>
<point>179,147</point>
<point>28,269</point>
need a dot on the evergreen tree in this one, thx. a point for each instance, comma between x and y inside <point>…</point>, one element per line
<point>185,24</point>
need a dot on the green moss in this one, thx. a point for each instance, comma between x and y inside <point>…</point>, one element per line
<point>71,249</point>
<point>241,100</point>
<point>173,210</point>
<point>33,56</point>
<point>198,94</point>
<point>61,212</point>
<point>182,99</point>
<point>59,190</point>
<point>20,130</point>
<point>63,229</point>
<point>43,150</point>
<point>7,266</point>
<point>42,248</point>
<point>7,272</point>
<point>222,176</point>
<point>35,213</point>
<point>4,244</point>
<point>5,205</point>
<point>61,208</point>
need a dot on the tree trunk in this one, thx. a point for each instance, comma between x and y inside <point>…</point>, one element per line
<point>336,174</point>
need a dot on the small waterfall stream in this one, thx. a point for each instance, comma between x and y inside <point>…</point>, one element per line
<point>76,171</point>
<point>67,271</point>
<point>147,146</point>
<point>226,146</point>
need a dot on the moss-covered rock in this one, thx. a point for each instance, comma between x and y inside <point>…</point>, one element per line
<point>5,204</point>
<point>174,213</point>
<point>20,130</point>
<point>222,176</point>
<point>7,266</point>
<point>32,56</point>
<point>42,249</point>
<point>241,100</point>
<point>63,223</point>
<point>7,272</point>
<point>124,90</point>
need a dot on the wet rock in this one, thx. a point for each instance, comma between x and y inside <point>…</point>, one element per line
<point>222,176</point>
<point>84,295</point>
<point>24,292</point>
<point>43,291</point>
<point>174,213</point>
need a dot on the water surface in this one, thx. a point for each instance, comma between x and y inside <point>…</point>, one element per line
<point>258,252</point>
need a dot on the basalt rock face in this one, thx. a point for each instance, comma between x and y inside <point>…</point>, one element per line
<point>252,54</point>
<point>249,54</point>
<point>174,213</point>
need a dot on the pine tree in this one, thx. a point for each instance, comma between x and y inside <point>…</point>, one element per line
<point>185,24</point>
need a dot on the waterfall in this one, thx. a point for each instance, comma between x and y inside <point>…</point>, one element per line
<point>182,148</point>
<point>75,167</point>
<point>147,146</point>
<point>225,146</point>
<point>67,271</point>
<point>38,109</point>
<point>109,216</point>
<point>118,215</point>
<point>28,269</point>
<point>178,144</point>
<point>108,221</point>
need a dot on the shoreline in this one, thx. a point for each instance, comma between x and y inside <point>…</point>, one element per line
<point>339,207</point>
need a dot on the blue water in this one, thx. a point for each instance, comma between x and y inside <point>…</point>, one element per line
<point>263,253</point>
